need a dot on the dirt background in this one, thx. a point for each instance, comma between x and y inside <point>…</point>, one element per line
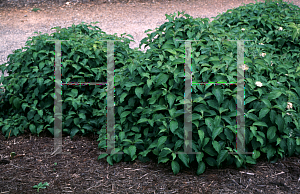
<point>132,16</point>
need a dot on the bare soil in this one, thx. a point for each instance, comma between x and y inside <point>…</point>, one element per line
<point>81,172</point>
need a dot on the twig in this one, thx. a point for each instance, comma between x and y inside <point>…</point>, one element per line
<point>235,182</point>
<point>247,173</point>
<point>95,185</point>
<point>278,174</point>
<point>143,175</point>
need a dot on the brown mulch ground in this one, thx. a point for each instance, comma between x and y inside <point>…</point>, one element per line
<point>81,172</point>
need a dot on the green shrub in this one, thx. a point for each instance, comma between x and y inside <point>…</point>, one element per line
<point>28,101</point>
<point>154,90</point>
<point>149,88</point>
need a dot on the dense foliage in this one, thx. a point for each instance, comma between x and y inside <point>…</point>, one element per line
<point>149,88</point>
<point>29,96</point>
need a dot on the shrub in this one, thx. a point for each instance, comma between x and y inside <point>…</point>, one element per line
<point>29,96</point>
<point>149,88</point>
<point>154,90</point>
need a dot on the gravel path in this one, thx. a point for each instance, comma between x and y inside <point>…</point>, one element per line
<point>17,24</point>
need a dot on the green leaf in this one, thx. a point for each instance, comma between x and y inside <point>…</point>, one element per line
<point>175,167</point>
<point>161,140</point>
<point>139,92</point>
<point>270,152</point>
<point>291,146</point>
<point>74,93</point>
<point>122,135</point>
<point>256,154</point>
<point>221,110</point>
<point>122,97</point>
<point>152,100</point>
<point>164,152</point>
<point>173,156</point>
<point>250,99</point>
<point>278,141</point>
<point>201,168</point>
<point>34,56</point>
<point>73,132</point>
<point>280,122</point>
<point>250,160</point>
<point>82,116</point>
<point>40,81</point>
<point>161,79</point>
<point>222,156</point>
<point>259,123</point>
<point>206,140</point>
<point>151,122</point>
<point>178,144</point>
<point>271,132</point>
<point>267,103</point>
<point>171,51</point>
<point>76,121</point>
<point>74,104</point>
<point>41,65</point>
<point>178,61</point>
<point>252,116</point>
<point>185,159</point>
<point>142,120</point>
<point>115,151</point>
<point>171,98</point>
<point>130,84</point>
<point>217,146</point>
<point>39,129</point>
<point>144,153</point>
<point>260,139</point>
<point>132,150</point>
<point>211,161</point>
<point>40,112</point>
<point>149,83</point>
<point>124,114</point>
<point>32,128</point>
<point>216,132</point>
<point>209,150</point>
<point>274,94</point>
<point>218,94</point>
<point>36,91</point>
<point>131,68</point>
<point>129,141</point>
<point>201,135</point>
<point>263,112</point>
<point>17,102</point>
<point>298,141</point>
<point>209,123</point>
<point>169,17</point>
<point>213,104</point>
<point>199,157</point>
<point>24,105</point>
<point>217,121</point>
<point>102,156</point>
<point>163,160</point>
<point>109,160</point>
<point>228,134</point>
<point>173,126</point>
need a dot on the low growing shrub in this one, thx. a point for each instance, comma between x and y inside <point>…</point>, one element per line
<point>28,101</point>
<point>154,90</point>
<point>149,88</point>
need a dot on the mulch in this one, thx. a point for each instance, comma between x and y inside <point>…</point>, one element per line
<point>82,172</point>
